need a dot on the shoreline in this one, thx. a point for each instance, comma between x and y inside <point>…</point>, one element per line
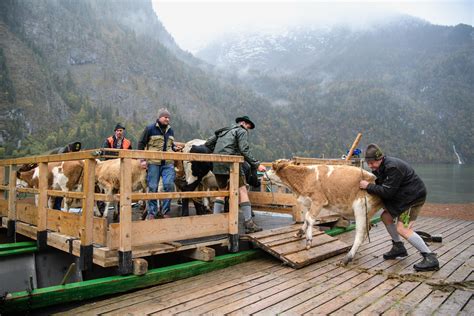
<point>464,211</point>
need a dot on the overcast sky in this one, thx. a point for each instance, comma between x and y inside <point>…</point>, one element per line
<point>192,23</point>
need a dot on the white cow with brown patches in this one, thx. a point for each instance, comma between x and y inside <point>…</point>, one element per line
<point>330,187</point>
<point>65,176</point>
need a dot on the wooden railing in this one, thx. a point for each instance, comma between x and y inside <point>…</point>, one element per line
<point>46,225</point>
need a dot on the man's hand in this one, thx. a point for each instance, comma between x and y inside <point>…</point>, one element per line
<point>143,164</point>
<point>363,184</point>
<point>261,168</point>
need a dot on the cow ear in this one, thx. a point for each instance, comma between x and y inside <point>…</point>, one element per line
<point>279,164</point>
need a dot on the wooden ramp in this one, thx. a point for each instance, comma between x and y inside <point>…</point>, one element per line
<point>282,243</point>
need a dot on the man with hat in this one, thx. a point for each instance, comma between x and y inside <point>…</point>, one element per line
<point>233,140</point>
<point>159,136</point>
<point>403,194</point>
<point>118,140</point>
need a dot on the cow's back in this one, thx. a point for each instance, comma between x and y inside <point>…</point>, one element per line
<point>340,183</point>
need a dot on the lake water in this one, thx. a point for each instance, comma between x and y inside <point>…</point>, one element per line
<point>447,183</point>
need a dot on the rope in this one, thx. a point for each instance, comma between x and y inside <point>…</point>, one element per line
<point>366,206</point>
<point>271,184</point>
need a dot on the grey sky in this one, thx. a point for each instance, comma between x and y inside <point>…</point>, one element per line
<point>193,23</point>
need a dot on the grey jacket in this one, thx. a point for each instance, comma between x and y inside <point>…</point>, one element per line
<point>231,140</point>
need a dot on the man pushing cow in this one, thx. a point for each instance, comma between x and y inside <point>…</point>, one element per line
<point>403,194</point>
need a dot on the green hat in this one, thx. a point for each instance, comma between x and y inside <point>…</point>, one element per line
<point>373,152</point>
<point>245,119</point>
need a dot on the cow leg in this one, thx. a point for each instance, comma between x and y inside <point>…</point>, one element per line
<point>360,213</point>
<point>309,222</point>
<point>305,204</point>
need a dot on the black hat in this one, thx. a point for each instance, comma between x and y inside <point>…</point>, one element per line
<point>373,152</point>
<point>118,126</point>
<point>245,119</point>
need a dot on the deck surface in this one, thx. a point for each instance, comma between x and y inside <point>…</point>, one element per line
<point>368,286</point>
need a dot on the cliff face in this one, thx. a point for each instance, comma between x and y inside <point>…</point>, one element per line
<point>60,55</point>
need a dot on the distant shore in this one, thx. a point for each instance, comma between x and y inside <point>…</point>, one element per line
<point>459,211</point>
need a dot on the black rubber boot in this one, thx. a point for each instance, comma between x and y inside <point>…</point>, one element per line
<point>398,250</point>
<point>429,262</point>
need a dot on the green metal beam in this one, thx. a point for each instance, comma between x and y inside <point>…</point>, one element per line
<point>16,245</point>
<point>24,301</point>
<point>5,253</point>
<point>340,230</point>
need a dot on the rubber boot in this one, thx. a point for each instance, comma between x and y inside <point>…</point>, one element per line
<point>251,227</point>
<point>398,250</point>
<point>429,262</point>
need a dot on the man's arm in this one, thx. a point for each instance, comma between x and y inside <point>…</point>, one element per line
<point>211,142</point>
<point>244,148</point>
<point>106,144</point>
<point>389,185</point>
<point>143,141</point>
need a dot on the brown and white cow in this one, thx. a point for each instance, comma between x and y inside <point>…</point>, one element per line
<point>65,176</point>
<point>331,187</point>
<point>107,175</point>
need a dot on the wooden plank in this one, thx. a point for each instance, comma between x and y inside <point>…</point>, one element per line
<point>42,197</point>
<point>171,229</point>
<point>87,216</point>
<point>200,253</point>
<point>324,251</point>
<point>263,198</point>
<point>135,154</point>
<point>27,212</point>
<point>3,207</point>
<point>70,224</point>
<point>175,195</point>
<point>320,161</point>
<point>125,230</point>
<point>27,190</point>
<point>234,199</point>
<point>191,284</point>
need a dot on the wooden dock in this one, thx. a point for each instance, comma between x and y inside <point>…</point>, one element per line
<point>370,285</point>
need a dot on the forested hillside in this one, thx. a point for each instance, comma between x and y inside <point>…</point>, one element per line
<point>72,69</point>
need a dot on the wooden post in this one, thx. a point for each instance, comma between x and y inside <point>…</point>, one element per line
<point>234,207</point>
<point>125,248</point>
<point>42,233</point>
<point>11,202</point>
<point>353,147</point>
<point>2,180</point>
<point>87,217</point>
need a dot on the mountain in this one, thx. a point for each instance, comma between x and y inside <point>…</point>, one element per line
<point>404,83</point>
<point>70,70</point>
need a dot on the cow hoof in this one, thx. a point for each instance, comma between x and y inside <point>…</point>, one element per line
<point>308,244</point>
<point>299,234</point>
<point>346,260</point>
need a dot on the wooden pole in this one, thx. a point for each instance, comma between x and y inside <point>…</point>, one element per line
<point>354,145</point>
<point>42,234</point>
<point>234,207</point>
<point>87,217</point>
<point>125,244</point>
<point>11,202</point>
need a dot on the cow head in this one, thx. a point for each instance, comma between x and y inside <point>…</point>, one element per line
<point>277,167</point>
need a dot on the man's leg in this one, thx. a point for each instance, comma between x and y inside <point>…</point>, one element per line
<point>152,178</point>
<point>430,259</point>
<point>168,174</point>
<point>398,249</point>
<point>246,208</point>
